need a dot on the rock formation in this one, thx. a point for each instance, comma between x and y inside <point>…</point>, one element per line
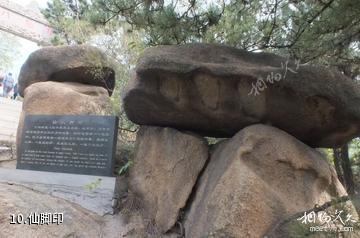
<point>66,98</point>
<point>71,80</point>
<point>261,176</point>
<point>216,91</point>
<point>249,185</point>
<point>80,63</point>
<point>166,166</point>
<point>178,185</point>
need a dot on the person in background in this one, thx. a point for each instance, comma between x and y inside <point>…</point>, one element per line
<point>8,84</point>
<point>16,92</point>
<point>1,79</point>
<point>2,76</point>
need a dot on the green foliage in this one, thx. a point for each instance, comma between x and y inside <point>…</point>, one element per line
<point>311,31</point>
<point>354,152</point>
<point>93,185</point>
<point>69,18</point>
<point>9,50</point>
<point>73,21</point>
<point>308,30</point>
<point>165,22</point>
<point>125,167</point>
<point>325,32</point>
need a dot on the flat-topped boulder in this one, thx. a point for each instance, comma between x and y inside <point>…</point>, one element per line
<point>55,98</point>
<point>79,63</point>
<point>216,91</point>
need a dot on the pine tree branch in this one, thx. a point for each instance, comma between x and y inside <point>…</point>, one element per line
<point>302,29</point>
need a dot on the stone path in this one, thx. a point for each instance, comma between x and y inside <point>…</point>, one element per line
<point>83,190</point>
<point>17,200</point>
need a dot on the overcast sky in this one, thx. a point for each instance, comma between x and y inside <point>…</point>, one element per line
<point>24,3</point>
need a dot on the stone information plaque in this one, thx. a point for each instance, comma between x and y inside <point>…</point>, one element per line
<point>69,144</point>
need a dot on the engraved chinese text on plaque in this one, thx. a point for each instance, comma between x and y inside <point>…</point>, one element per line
<point>69,144</point>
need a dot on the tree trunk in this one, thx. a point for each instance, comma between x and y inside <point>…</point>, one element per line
<point>341,154</point>
<point>346,167</point>
<point>337,163</point>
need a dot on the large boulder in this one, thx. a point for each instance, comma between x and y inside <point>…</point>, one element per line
<point>254,181</point>
<point>166,166</point>
<point>79,63</point>
<point>216,91</point>
<point>55,98</point>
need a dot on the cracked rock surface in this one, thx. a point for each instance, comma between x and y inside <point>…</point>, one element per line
<point>206,88</point>
<point>166,166</point>
<point>255,180</point>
